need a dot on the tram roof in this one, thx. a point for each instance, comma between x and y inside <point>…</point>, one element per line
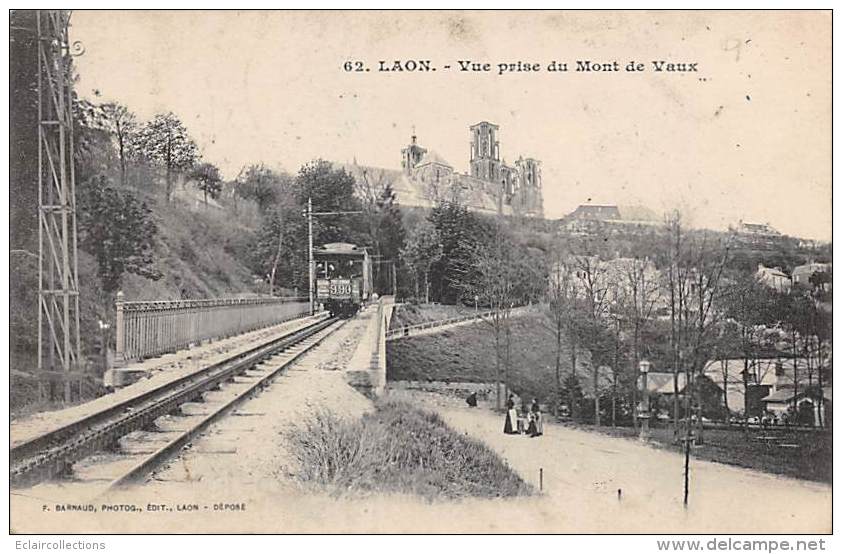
<point>340,249</point>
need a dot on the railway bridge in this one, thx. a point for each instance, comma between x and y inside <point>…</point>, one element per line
<point>181,367</point>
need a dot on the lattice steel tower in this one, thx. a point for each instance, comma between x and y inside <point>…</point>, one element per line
<point>58,285</point>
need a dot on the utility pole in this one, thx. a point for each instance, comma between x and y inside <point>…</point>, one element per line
<point>394,280</point>
<point>644,415</point>
<point>686,467</point>
<point>311,268</point>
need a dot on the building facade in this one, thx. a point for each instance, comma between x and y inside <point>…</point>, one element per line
<point>774,278</point>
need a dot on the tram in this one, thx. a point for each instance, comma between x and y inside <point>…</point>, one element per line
<point>343,277</point>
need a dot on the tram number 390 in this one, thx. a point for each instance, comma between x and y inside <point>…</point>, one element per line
<point>340,288</point>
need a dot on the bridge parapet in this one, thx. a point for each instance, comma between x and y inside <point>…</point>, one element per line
<point>151,328</point>
<point>367,368</point>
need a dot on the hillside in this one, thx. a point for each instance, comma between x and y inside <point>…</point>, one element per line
<point>202,252</point>
<point>466,354</point>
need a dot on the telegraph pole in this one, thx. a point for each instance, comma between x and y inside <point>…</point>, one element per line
<point>394,280</point>
<point>310,264</point>
<point>644,415</point>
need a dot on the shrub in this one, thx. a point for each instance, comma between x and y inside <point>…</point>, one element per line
<point>399,448</point>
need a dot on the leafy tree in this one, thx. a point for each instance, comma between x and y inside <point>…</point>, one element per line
<point>384,222</point>
<point>331,190</point>
<point>422,249</point>
<point>497,273</point>
<point>389,234</point>
<point>165,141</point>
<point>822,281</point>
<point>572,393</point>
<point>118,230</point>
<point>262,185</point>
<point>23,131</point>
<point>208,180</point>
<point>457,229</point>
<point>280,249</point>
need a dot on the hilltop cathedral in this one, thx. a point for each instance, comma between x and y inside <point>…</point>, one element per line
<point>492,186</point>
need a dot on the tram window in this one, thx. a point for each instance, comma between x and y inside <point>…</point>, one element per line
<point>339,269</point>
<point>326,269</point>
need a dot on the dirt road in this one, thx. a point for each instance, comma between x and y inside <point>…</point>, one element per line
<point>583,471</point>
<point>233,480</point>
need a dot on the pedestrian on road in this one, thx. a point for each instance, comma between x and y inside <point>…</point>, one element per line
<point>536,424</point>
<point>510,427</point>
<point>472,400</point>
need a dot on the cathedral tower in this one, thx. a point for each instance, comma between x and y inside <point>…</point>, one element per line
<point>412,154</point>
<point>529,170</point>
<point>485,152</point>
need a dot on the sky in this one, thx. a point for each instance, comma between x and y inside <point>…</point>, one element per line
<point>745,137</point>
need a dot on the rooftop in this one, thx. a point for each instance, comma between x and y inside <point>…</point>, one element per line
<point>432,157</point>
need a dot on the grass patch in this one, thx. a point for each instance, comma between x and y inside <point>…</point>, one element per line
<point>810,459</point>
<point>399,448</point>
<point>467,354</point>
<point>413,314</point>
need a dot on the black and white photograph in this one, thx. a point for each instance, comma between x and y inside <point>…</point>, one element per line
<point>421,272</point>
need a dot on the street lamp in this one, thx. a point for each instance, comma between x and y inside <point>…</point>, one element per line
<point>644,412</point>
<point>103,327</point>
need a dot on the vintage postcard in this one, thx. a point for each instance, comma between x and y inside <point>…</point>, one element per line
<point>420,272</point>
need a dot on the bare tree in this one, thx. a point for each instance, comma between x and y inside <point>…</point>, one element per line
<point>594,285</point>
<point>562,295</point>
<point>641,292</point>
<point>696,265</point>
<point>122,124</point>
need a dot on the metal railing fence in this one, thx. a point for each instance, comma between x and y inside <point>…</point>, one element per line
<point>150,328</point>
<point>409,330</point>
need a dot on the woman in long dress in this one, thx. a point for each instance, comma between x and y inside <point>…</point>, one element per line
<point>510,427</point>
<point>536,425</point>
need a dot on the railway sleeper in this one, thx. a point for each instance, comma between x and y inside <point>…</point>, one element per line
<point>54,458</point>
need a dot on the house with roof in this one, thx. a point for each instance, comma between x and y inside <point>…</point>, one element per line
<point>762,378</point>
<point>664,386</point>
<point>601,218</point>
<point>756,235</point>
<point>801,274</point>
<point>774,278</point>
<point>757,229</point>
<point>811,405</point>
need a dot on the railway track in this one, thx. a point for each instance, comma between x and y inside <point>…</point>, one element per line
<point>52,455</point>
